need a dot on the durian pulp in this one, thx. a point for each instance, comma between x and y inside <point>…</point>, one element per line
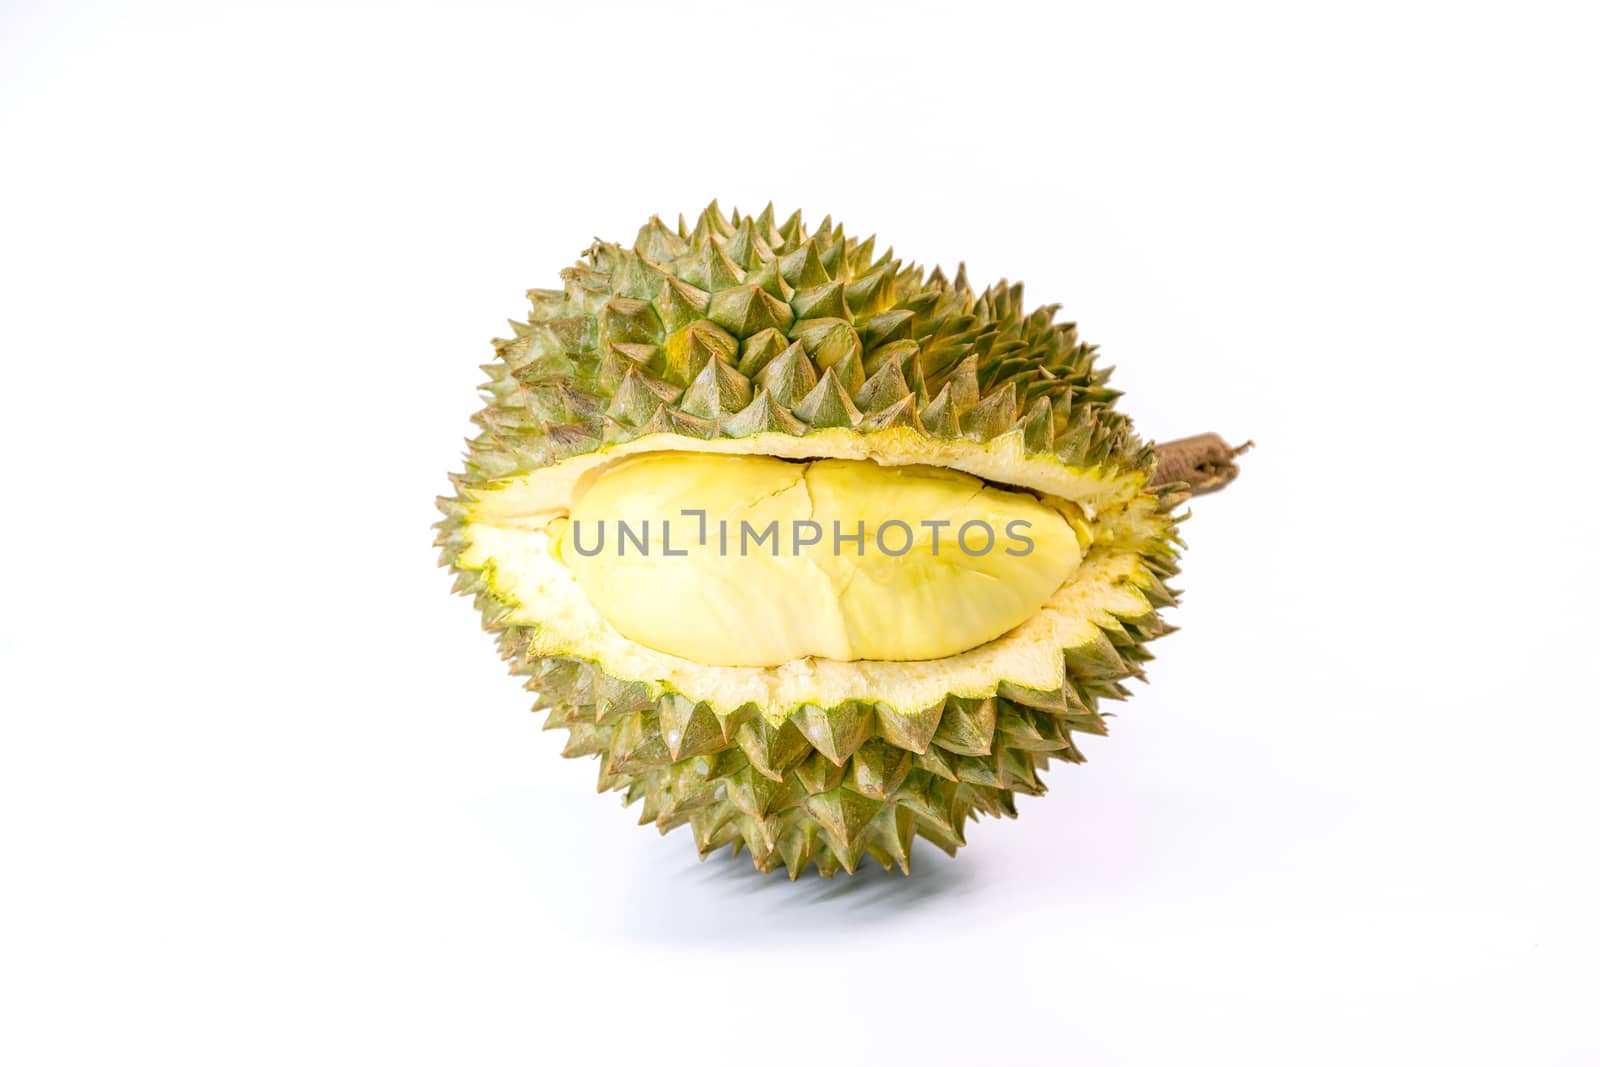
<point>908,563</point>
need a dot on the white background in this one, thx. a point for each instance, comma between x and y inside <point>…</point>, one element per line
<point>269,796</point>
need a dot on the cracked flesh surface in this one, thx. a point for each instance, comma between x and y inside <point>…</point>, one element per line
<point>946,562</point>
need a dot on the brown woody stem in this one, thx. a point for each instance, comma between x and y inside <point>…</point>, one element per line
<point>1204,462</point>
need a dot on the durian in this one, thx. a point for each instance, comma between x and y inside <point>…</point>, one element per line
<point>847,686</point>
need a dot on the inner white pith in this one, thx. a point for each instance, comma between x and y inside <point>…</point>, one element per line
<point>508,540</point>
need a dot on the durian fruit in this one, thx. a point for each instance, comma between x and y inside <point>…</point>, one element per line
<point>836,701</point>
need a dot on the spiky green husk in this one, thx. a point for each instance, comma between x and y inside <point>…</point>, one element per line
<point>741,327</point>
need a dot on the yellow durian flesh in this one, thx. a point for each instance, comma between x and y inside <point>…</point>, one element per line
<point>945,561</point>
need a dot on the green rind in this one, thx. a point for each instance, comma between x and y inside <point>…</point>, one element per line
<point>742,326</point>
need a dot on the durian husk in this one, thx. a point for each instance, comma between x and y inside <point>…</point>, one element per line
<point>744,334</point>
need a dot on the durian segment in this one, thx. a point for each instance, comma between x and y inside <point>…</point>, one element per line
<point>752,561</point>
<point>537,591</point>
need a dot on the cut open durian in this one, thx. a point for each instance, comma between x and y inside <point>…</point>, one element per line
<point>845,686</point>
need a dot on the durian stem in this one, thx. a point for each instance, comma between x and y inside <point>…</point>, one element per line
<point>1205,462</point>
